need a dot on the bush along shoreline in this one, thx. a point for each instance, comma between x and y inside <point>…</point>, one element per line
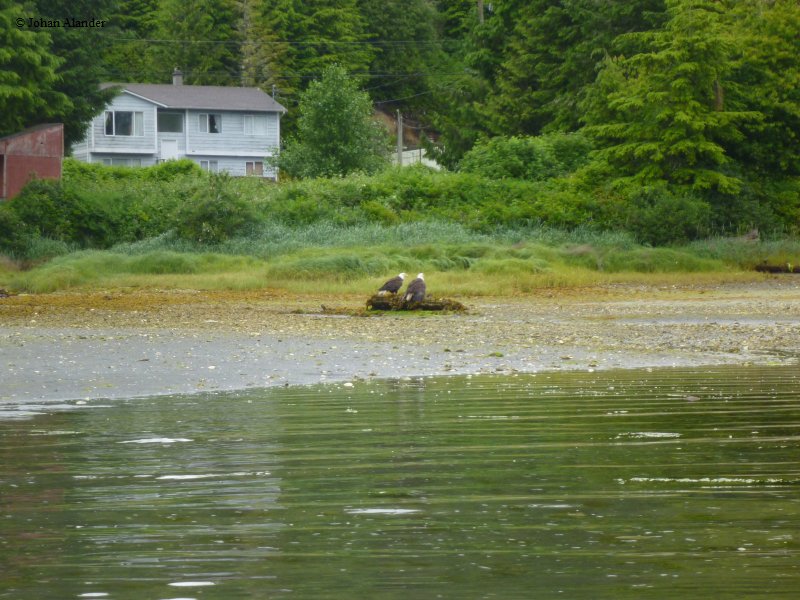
<point>345,229</point>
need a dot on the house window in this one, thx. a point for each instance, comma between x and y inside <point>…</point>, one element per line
<point>254,168</point>
<point>210,123</point>
<point>255,125</point>
<point>209,165</point>
<point>124,122</point>
<point>170,122</point>
<point>122,162</point>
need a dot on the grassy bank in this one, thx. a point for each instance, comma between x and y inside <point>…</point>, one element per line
<point>337,259</point>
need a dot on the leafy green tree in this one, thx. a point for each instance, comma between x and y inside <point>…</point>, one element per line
<point>199,37</point>
<point>667,122</point>
<point>28,74</point>
<point>336,133</point>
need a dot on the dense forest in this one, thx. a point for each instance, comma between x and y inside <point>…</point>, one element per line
<point>653,107</point>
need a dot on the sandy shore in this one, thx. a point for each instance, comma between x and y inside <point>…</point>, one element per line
<point>72,347</point>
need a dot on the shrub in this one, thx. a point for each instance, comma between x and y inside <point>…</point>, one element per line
<point>51,209</point>
<point>531,158</point>
<point>11,241</point>
<point>215,213</point>
<point>658,216</point>
<point>75,170</point>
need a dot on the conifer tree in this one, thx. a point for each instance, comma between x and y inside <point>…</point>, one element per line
<point>81,69</point>
<point>667,122</point>
<point>133,25</point>
<point>407,53</point>
<point>766,78</point>
<point>552,56</point>
<point>28,78</point>
<point>314,34</point>
<point>264,52</point>
<point>199,37</point>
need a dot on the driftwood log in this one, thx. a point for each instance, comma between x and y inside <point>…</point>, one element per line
<point>396,302</point>
<point>778,268</point>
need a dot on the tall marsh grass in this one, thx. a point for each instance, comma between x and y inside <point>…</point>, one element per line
<point>747,254</point>
<point>326,260</point>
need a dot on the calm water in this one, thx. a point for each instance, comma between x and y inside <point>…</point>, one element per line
<point>662,484</point>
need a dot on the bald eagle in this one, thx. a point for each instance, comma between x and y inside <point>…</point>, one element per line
<point>392,286</point>
<point>415,292</point>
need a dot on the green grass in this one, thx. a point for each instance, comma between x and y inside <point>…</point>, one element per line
<point>748,254</point>
<point>334,260</point>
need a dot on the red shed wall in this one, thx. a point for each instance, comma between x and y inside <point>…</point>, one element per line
<point>21,169</point>
<point>47,141</point>
<point>37,152</point>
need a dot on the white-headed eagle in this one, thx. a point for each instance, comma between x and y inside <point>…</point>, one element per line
<point>415,292</point>
<point>392,286</point>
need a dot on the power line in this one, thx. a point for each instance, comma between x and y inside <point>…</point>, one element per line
<point>440,88</point>
<point>287,42</point>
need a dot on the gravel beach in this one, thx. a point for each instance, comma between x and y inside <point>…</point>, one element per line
<point>73,347</point>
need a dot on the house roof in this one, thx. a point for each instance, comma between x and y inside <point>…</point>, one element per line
<point>202,96</point>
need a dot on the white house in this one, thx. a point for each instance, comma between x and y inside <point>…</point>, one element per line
<point>229,129</point>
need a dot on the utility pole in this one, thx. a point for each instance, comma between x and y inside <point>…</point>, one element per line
<point>399,139</point>
<point>480,11</point>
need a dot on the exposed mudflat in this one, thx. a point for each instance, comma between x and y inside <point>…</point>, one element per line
<point>125,343</point>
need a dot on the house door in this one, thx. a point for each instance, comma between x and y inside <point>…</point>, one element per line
<point>169,149</point>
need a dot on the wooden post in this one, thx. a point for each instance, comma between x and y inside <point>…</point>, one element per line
<point>399,139</point>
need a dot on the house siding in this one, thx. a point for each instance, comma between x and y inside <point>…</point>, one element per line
<point>80,151</point>
<point>231,140</point>
<point>119,159</point>
<point>236,165</point>
<point>102,143</point>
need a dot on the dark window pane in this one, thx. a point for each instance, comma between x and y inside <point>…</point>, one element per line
<point>123,123</point>
<point>170,122</point>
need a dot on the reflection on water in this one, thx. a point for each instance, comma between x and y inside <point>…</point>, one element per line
<point>631,484</point>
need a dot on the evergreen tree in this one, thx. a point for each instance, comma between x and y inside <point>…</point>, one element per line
<point>456,105</point>
<point>81,69</point>
<point>408,53</point>
<point>28,78</point>
<point>766,79</point>
<point>667,123</point>
<point>264,53</point>
<point>133,25</point>
<point>199,37</point>
<point>297,39</point>
<point>552,56</point>
<point>336,133</point>
<point>456,18</point>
